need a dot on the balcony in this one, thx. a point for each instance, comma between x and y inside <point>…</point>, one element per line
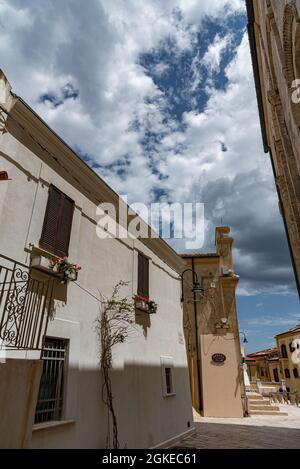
<point>25,305</point>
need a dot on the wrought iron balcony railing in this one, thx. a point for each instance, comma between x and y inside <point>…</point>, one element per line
<point>25,305</point>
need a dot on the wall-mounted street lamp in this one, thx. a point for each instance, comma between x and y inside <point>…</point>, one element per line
<point>245,341</point>
<point>197,289</point>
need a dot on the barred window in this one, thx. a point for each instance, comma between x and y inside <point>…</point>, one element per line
<point>168,376</point>
<point>51,393</point>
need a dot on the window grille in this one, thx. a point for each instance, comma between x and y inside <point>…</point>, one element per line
<point>51,392</point>
<point>168,375</point>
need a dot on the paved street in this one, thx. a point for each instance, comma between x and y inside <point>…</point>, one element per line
<point>251,432</point>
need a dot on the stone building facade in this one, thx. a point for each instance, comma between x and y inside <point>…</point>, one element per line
<point>263,366</point>
<point>211,331</point>
<point>274,35</point>
<point>288,343</point>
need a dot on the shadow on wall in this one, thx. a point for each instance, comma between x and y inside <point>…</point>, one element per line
<point>143,319</point>
<point>145,417</point>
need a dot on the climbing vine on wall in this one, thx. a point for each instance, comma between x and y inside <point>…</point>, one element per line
<point>114,325</point>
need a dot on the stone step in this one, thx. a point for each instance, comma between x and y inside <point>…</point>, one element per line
<point>263,407</point>
<point>254,396</point>
<point>257,401</point>
<point>266,412</point>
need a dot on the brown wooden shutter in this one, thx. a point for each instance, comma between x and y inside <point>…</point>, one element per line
<point>146,276</point>
<point>3,176</point>
<point>140,274</point>
<point>64,226</point>
<point>48,238</point>
<point>143,275</point>
<point>57,225</point>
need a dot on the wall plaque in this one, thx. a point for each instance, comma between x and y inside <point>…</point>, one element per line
<point>218,357</point>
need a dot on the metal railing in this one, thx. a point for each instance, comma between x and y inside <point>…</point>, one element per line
<point>292,398</point>
<point>25,304</point>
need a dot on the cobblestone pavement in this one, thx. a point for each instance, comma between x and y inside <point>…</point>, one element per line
<point>251,432</point>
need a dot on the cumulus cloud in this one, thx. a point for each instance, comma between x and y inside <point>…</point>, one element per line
<point>215,51</point>
<point>273,322</point>
<point>79,67</point>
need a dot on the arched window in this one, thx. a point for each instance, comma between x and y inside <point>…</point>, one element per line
<point>276,375</point>
<point>283,351</point>
<point>287,373</point>
<point>296,373</point>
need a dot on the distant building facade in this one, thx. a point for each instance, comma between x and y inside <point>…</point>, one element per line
<point>288,344</point>
<point>263,366</point>
<point>274,34</point>
<point>211,331</point>
<point>279,365</point>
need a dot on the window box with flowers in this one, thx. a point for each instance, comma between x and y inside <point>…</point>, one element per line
<point>59,267</point>
<point>144,304</point>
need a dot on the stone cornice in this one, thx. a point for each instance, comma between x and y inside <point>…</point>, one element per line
<point>230,280</point>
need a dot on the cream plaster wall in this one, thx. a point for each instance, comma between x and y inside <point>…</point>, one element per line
<point>145,417</point>
<point>221,384</point>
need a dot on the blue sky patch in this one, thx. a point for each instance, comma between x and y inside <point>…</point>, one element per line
<point>174,72</point>
<point>57,99</point>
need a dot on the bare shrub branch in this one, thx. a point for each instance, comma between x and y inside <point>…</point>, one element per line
<point>113,326</point>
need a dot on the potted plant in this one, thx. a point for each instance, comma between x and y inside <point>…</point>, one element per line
<point>152,307</point>
<point>63,266</point>
<point>56,265</point>
<point>143,303</point>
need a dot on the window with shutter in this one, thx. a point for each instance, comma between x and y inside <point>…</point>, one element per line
<point>276,375</point>
<point>143,276</point>
<point>3,176</point>
<point>283,351</point>
<point>57,225</point>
